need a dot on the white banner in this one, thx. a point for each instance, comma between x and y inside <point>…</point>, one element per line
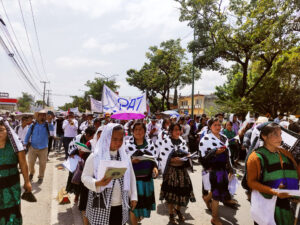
<point>96,106</point>
<point>74,110</point>
<point>112,103</point>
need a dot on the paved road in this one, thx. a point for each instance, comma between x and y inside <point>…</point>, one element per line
<point>47,210</point>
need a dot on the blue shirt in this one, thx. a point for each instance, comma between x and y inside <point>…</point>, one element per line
<point>39,137</point>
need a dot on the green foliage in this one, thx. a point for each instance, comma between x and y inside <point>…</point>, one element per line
<point>25,102</point>
<point>243,32</point>
<point>39,102</point>
<point>95,91</point>
<point>278,92</point>
<point>167,68</point>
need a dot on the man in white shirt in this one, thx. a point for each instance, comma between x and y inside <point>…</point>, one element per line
<point>159,119</point>
<point>279,118</point>
<point>87,123</point>
<point>185,129</point>
<point>51,115</point>
<point>153,129</point>
<point>70,126</point>
<point>21,130</point>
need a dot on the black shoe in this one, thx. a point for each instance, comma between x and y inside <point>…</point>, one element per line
<point>30,177</point>
<point>40,181</point>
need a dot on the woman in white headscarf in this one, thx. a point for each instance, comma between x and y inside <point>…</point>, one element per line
<point>96,137</point>
<point>108,200</point>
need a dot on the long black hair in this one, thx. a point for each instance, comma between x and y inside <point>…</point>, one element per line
<point>139,124</point>
<point>211,122</point>
<point>164,122</point>
<point>269,128</point>
<point>172,127</point>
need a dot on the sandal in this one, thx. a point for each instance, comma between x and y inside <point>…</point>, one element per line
<point>172,220</point>
<point>231,203</point>
<point>215,223</point>
<point>180,216</point>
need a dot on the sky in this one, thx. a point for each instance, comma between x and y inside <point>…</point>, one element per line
<point>78,38</point>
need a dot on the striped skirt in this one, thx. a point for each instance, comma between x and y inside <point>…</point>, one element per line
<point>146,199</point>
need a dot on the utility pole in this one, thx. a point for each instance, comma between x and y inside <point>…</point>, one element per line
<point>193,78</point>
<point>48,97</point>
<point>44,92</point>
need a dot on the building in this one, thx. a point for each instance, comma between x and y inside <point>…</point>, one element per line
<point>6,103</point>
<point>201,104</point>
<point>210,103</point>
<point>185,104</point>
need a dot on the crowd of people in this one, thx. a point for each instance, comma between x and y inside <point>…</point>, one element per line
<point>158,145</point>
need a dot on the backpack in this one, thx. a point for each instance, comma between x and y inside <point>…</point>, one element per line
<point>33,125</point>
<point>244,182</point>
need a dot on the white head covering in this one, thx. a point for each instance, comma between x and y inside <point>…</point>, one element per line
<point>102,152</point>
<point>246,122</point>
<point>13,137</point>
<point>94,140</point>
<point>231,117</point>
<point>293,118</point>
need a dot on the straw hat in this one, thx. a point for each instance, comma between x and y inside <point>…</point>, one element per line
<point>42,111</point>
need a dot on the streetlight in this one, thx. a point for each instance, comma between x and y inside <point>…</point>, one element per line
<point>106,77</point>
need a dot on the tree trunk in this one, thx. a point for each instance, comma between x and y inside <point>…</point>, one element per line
<point>175,103</point>
<point>245,75</point>
<point>267,69</point>
<point>151,100</point>
<point>168,96</point>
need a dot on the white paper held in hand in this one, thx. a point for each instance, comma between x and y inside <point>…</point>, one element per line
<point>71,163</point>
<point>290,192</point>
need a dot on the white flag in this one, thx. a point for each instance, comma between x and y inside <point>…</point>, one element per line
<point>96,106</point>
<point>74,110</point>
<point>112,103</point>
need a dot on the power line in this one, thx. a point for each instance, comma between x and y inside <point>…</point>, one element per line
<point>15,36</point>
<point>38,41</point>
<point>19,45</point>
<point>187,35</point>
<point>15,62</point>
<point>24,23</point>
<point>14,48</point>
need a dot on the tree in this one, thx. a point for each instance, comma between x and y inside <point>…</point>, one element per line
<point>95,91</point>
<point>39,103</point>
<point>96,87</point>
<point>25,102</point>
<point>278,92</point>
<point>242,32</point>
<point>167,68</point>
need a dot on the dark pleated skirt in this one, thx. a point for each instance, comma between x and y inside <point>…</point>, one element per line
<point>177,187</point>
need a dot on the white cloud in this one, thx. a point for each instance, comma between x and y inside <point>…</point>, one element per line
<point>79,62</point>
<point>150,15</point>
<point>90,43</point>
<point>91,8</point>
<point>104,48</point>
<point>207,83</point>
